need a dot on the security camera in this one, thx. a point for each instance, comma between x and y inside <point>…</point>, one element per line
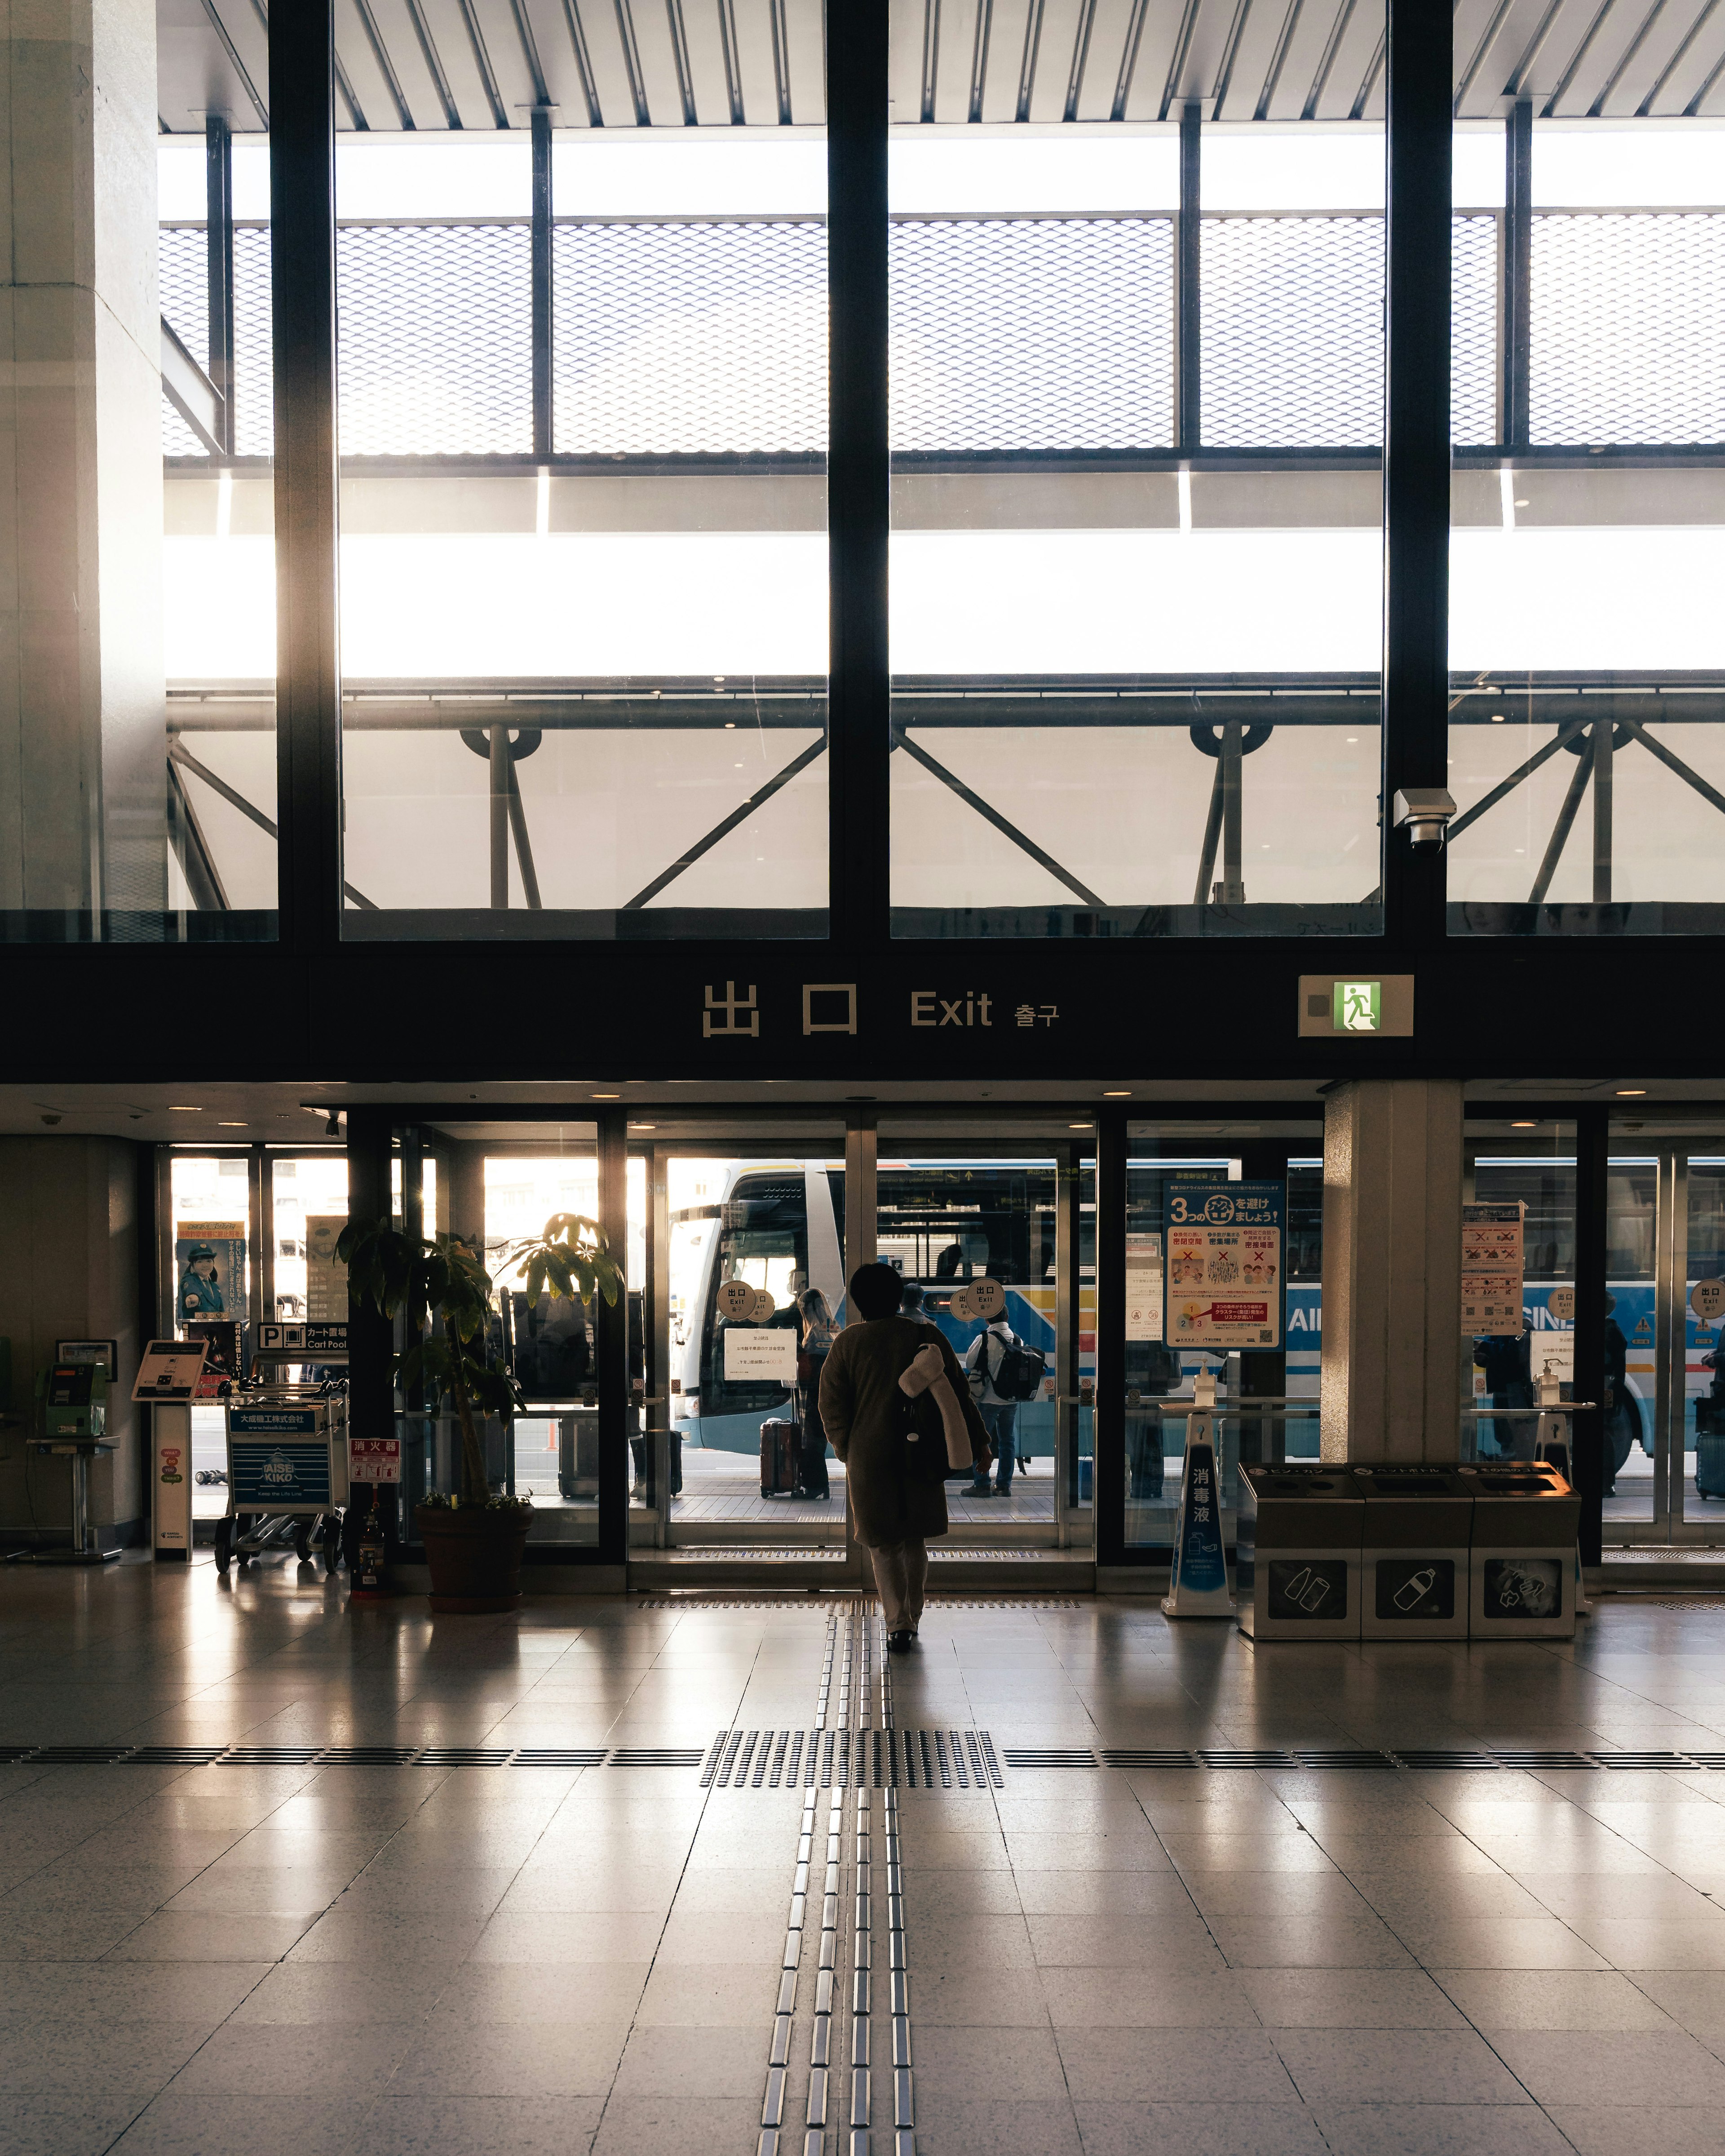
<point>50,1121</point>
<point>1426,810</point>
<point>332,1128</point>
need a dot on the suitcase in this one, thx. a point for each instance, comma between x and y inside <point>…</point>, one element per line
<point>781,1458</point>
<point>1710,1466</point>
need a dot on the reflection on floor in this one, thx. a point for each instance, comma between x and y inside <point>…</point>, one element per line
<point>429,1960</point>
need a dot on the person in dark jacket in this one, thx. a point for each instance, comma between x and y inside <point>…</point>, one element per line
<point>896,1516</point>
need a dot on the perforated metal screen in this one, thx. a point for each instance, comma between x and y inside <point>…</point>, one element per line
<point>1628,327</point>
<point>1007,334</point>
<point>1033,333</point>
<point>677,338</point>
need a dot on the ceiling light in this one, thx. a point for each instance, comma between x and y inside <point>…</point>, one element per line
<point>643,1127</point>
<point>232,1127</point>
<point>1521,1127</point>
<point>1116,1096</point>
<point>183,1108</point>
<point>608,1097</point>
<point>1078,1127</point>
<point>1498,717</point>
<point>1631,1092</point>
<point>1521,502</point>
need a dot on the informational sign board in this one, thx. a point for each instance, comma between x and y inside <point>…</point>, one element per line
<point>270,1475</point>
<point>764,1304</point>
<point>1551,1350</point>
<point>326,1277</point>
<point>1143,1288</point>
<point>1223,1265</point>
<point>1491,1278</point>
<point>106,1353</point>
<point>316,1343</point>
<point>374,1460</point>
<point>170,1370</point>
<point>221,1338</point>
<point>989,1298</point>
<point>209,1269</point>
<point>960,1305</point>
<point>759,1354</point>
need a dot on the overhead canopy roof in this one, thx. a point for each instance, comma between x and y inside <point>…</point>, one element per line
<point>437,65</point>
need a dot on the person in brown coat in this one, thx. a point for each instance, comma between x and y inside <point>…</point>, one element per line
<point>896,1513</point>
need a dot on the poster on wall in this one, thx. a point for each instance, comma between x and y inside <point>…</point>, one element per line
<point>1223,1265</point>
<point>325,1276</point>
<point>1143,1288</point>
<point>1491,1270</point>
<point>210,1271</point>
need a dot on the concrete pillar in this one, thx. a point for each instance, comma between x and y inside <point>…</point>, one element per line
<point>1391,1287</point>
<point>83,781</point>
<point>70,1248</point>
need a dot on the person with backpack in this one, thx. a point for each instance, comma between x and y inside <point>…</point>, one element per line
<point>992,1378</point>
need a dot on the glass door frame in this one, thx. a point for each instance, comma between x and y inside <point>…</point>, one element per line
<point>1672,1523</point>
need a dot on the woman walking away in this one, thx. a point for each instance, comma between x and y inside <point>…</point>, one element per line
<point>898,1501</point>
<point>818,1334</point>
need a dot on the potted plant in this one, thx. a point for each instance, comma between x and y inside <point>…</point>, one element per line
<point>475,1536</point>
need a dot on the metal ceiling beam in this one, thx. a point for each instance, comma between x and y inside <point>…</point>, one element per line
<point>979,59</point>
<point>930,55</point>
<point>782,59</point>
<point>1630,50</point>
<point>1576,58</point>
<point>386,66</point>
<point>1701,97</point>
<point>1676,60</point>
<point>235,62</point>
<point>632,62</point>
<point>1368,81</point>
<point>1524,67</point>
<point>1278,59</point>
<point>530,52</point>
<point>1177,59</point>
<point>583,62</point>
<point>733,71</point>
<point>482,61</point>
<point>705,844</point>
<point>679,30</point>
<point>1482,50</point>
<point>433,63</point>
<point>1321,80</point>
<point>1081,58</point>
<point>1027,67</point>
<point>1230,55</point>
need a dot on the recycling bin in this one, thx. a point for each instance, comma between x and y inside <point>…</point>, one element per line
<point>1414,1544</point>
<point>1526,1518</point>
<point>1297,1550</point>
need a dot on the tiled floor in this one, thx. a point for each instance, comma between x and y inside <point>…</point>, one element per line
<point>422,1962</point>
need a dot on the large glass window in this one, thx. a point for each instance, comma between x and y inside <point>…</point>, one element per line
<point>583,513</point>
<point>1137,402</point>
<point>1588,541</point>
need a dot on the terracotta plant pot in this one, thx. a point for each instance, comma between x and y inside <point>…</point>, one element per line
<point>474,1555</point>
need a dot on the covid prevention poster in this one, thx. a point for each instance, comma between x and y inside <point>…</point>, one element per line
<point>1143,1288</point>
<point>209,1269</point>
<point>1223,1265</point>
<point>1492,1277</point>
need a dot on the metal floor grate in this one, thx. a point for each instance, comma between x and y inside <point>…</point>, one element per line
<point>852,1759</point>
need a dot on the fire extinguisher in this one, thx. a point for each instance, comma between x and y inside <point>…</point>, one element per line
<point>370,1563</point>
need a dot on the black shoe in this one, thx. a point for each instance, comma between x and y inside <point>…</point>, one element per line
<point>899,1643</point>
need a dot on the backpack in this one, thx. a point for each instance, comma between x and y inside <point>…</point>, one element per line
<point>1018,1374</point>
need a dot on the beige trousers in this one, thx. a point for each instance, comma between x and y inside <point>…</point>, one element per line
<point>900,1573</point>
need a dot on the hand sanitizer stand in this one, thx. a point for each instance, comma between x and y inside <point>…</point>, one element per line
<point>166,1383</point>
<point>1198,1587</point>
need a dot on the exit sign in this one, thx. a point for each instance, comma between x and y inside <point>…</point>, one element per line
<point>1354,1007</point>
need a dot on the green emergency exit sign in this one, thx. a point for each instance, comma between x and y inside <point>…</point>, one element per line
<point>1357,1006</point>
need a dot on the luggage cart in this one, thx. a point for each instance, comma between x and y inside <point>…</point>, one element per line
<point>287,1473</point>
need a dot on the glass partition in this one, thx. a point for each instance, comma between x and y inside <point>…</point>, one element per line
<point>1202,1299</point>
<point>1530,1164</point>
<point>1136,400</point>
<point>584,421</point>
<point>1588,507</point>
